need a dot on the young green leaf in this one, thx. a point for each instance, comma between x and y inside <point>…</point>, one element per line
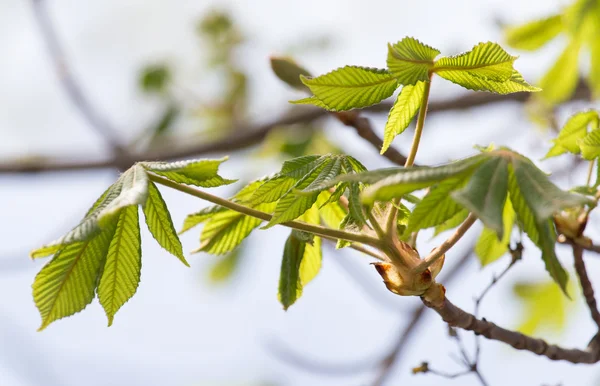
<point>226,230</point>
<point>351,87</point>
<point>328,173</point>
<point>590,145</point>
<point>404,110</point>
<point>560,81</point>
<point>437,206</point>
<point>392,183</point>
<point>202,172</point>
<point>452,222</point>
<point>160,224</point>
<point>574,129</point>
<point>488,247</point>
<point>543,306</point>
<point>409,60</point>
<point>290,284</point>
<point>355,209</point>
<point>486,192</point>
<point>595,62</point>
<point>201,216</point>
<point>121,275</point>
<point>67,283</point>
<point>486,61</point>
<point>539,230</point>
<point>225,266</point>
<point>535,34</point>
<point>542,196</point>
<point>515,83</point>
<point>289,72</point>
<point>292,205</point>
<point>313,255</point>
<point>312,100</point>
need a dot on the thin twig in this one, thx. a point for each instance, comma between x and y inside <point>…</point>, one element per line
<point>250,135</point>
<point>457,317</point>
<point>318,230</point>
<point>586,285</point>
<point>70,84</point>
<point>447,244</point>
<point>516,255</point>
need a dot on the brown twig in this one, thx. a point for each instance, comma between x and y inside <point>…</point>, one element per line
<point>586,285</point>
<point>70,85</point>
<point>252,134</point>
<point>457,317</point>
<point>516,255</point>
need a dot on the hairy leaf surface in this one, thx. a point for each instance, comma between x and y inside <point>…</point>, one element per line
<point>121,275</point>
<point>404,110</point>
<point>351,87</point>
<point>409,60</point>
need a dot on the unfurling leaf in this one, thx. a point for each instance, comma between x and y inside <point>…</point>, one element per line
<point>160,224</point>
<point>289,72</point>
<point>486,62</point>
<point>486,192</point>
<point>396,182</point>
<point>437,206</point>
<point>351,87</point>
<point>573,131</point>
<point>202,172</point>
<point>121,275</point>
<point>409,60</point>
<point>67,284</point>
<point>404,110</point>
<point>533,35</point>
<point>590,145</point>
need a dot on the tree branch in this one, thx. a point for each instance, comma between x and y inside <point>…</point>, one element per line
<point>455,316</point>
<point>586,285</point>
<point>70,85</point>
<point>446,245</point>
<point>250,135</point>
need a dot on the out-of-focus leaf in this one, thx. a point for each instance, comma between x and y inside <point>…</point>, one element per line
<point>289,72</point>
<point>544,306</point>
<point>488,247</point>
<point>534,34</point>
<point>155,78</point>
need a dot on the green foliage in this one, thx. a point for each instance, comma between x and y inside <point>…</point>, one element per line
<point>155,78</point>
<point>560,81</point>
<point>486,193</point>
<point>225,266</point>
<point>404,110</point>
<point>350,87</point>
<point>102,253</point>
<point>574,130</point>
<point>544,306</point>
<point>533,35</point>
<point>437,206</point>
<point>160,224</point>
<point>452,222</point>
<point>590,145</point>
<point>202,173</point>
<point>289,72</point>
<point>488,247</point>
<point>121,274</point>
<point>410,61</point>
<point>580,22</point>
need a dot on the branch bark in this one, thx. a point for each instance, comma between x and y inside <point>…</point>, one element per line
<point>70,85</point>
<point>457,317</point>
<point>586,285</point>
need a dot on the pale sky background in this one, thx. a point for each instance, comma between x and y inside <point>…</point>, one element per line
<point>178,329</point>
